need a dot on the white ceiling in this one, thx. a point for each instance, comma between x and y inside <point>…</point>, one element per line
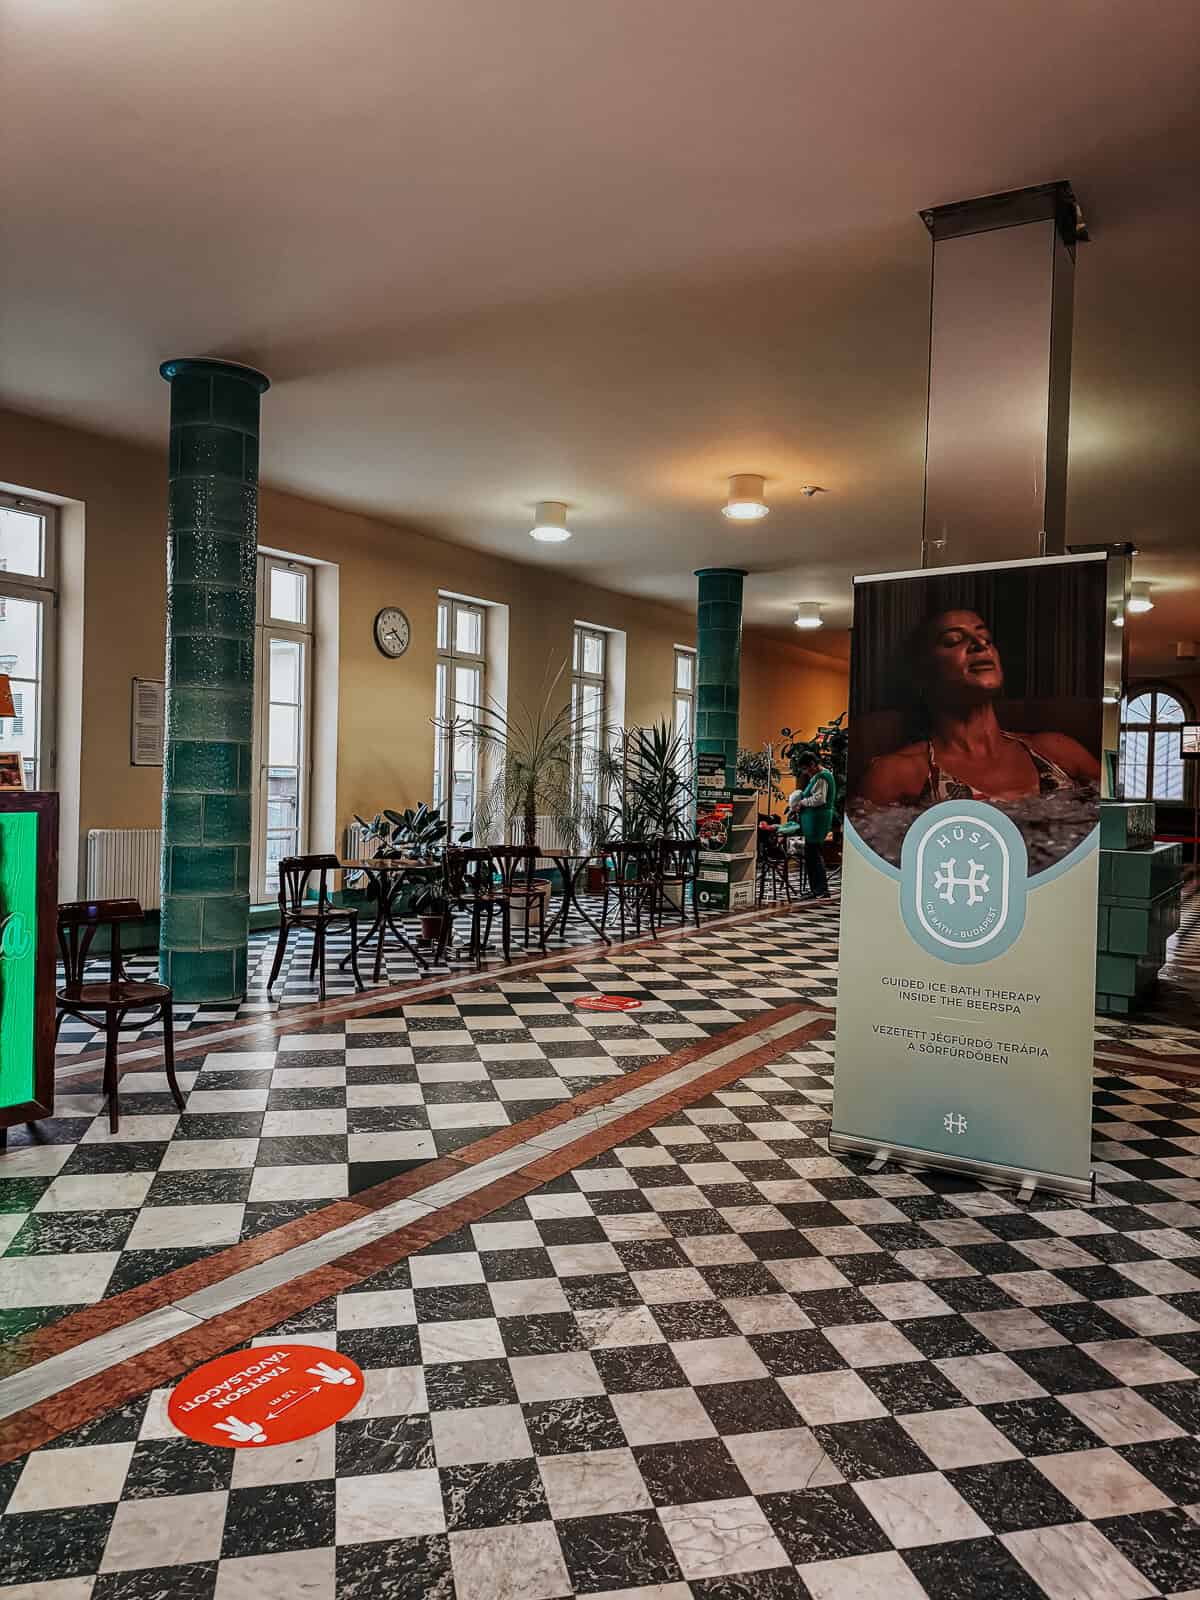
<point>604,251</point>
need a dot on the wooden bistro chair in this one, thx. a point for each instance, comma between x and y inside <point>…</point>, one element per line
<point>317,916</point>
<point>112,999</point>
<point>774,866</point>
<point>518,886</point>
<point>469,884</point>
<point>678,869</point>
<point>633,879</point>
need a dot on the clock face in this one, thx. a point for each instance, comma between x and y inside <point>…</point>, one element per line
<point>392,632</point>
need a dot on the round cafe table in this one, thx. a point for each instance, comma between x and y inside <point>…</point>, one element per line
<point>388,875</point>
<point>570,864</point>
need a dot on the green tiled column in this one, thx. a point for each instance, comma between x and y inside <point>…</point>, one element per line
<point>212,545</point>
<point>718,663</point>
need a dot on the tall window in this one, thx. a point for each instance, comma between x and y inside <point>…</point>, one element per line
<point>283,717</point>
<point>28,554</point>
<point>685,701</point>
<point>460,691</point>
<point>1151,766</point>
<point>589,669</point>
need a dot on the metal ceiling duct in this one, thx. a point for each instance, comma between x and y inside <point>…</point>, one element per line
<point>1000,375</point>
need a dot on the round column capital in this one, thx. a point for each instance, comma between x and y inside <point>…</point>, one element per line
<point>181,366</point>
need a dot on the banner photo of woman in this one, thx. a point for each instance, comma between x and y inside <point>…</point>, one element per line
<point>980,684</point>
<point>967,957</point>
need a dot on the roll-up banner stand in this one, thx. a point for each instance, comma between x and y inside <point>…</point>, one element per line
<point>967,967</point>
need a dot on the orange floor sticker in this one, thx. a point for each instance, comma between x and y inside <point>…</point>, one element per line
<point>266,1396</point>
<point>607,1002</point>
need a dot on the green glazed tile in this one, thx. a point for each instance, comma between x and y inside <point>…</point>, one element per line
<point>203,660</point>
<point>234,403</point>
<point>208,557</point>
<point>226,920</point>
<point>231,611</point>
<point>209,713</point>
<point>201,869</point>
<point>206,450</point>
<point>191,398</point>
<point>226,818</point>
<point>183,817</point>
<point>204,975</point>
<point>181,922</point>
<point>187,609</point>
<point>207,766</point>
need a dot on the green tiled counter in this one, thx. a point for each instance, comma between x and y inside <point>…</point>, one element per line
<point>1140,886</point>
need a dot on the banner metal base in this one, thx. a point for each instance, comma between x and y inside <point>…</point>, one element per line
<point>989,1171</point>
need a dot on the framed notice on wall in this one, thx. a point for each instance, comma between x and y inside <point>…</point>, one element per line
<point>28,876</point>
<point>147,722</point>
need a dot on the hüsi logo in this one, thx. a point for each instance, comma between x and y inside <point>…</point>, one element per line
<point>963,871</point>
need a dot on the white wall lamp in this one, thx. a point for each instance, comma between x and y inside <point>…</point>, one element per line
<point>1139,599</point>
<point>808,614</point>
<point>745,502</point>
<point>550,523</point>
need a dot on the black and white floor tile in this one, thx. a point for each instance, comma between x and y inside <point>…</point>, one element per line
<point>277,1125</point>
<point>715,1363</point>
<point>296,986</point>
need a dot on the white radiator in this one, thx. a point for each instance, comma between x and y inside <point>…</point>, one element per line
<point>124,863</point>
<point>549,836</point>
<point>357,846</point>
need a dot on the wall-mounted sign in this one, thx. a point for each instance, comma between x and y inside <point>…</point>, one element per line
<point>966,984</point>
<point>28,887</point>
<point>147,722</point>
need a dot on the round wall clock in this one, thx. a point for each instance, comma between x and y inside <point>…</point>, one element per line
<point>392,632</point>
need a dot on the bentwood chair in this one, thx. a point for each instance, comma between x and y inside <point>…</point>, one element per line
<point>633,879</point>
<point>469,885</point>
<point>112,999</point>
<point>678,870</point>
<point>518,887</point>
<point>316,917</point>
<point>774,867</point>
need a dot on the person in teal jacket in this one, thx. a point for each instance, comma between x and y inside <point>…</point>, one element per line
<point>812,806</point>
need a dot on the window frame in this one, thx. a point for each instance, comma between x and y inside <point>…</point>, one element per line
<point>1154,729</point>
<point>680,696</point>
<point>583,679</point>
<point>41,589</point>
<point>266,628</point>
<point>448,658</point>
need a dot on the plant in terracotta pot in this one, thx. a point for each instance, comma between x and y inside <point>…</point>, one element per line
<point>431,905</point>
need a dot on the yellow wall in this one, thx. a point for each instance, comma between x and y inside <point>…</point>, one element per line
<point>785,686</point>
<point>384,735</point>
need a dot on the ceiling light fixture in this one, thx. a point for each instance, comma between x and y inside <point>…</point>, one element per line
<point>550,523</point>
<point>808,614</point>
<point>745,502</point>
<point>1139,599</point>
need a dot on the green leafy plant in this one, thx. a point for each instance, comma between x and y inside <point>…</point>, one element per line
<point>829,744</point>
<point>754,771</point>
<point>654,787</point>
<point>535,756</point>
<point>418,834</point>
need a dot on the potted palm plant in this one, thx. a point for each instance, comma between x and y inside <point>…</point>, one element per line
<point>534,757</point>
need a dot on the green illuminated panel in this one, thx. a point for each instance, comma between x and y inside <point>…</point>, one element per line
<point>18,945</point>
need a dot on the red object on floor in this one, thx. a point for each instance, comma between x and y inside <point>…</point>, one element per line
<point>607,1002</point>
<point>269,1395</point>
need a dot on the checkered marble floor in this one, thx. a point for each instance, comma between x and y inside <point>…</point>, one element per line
<point>714,1363</point>
<point>296,988</point>
<point>277,1125</point>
